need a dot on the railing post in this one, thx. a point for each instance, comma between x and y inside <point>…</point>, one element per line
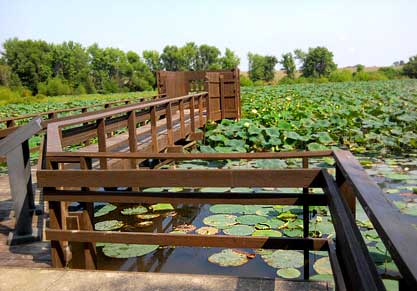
<point>10,123</point>
<point>87,141</point>
<point>200,110</point>
<point>154,130</point>
<point>106,106</point>
<point>222,102</point>
<point>133,141</point>
<point>101,135</point>
<point>170,134</point>
<point>346,190</point>
<point>306,226</point>
<point>182,119</point>
<point>192,114</point>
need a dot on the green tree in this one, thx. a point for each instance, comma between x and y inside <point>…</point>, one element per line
<point>410,68</point>
<point>208,58</point>
<point>360,68</point>
<point>230,60</point>
<point>261,68</point>
<point>171,59</point>
<point>152,60</point>
<point>318,62</point>
<point>30,60</point>
<point>188,57</point>
<point>288,63</point>
<point>8,78</point>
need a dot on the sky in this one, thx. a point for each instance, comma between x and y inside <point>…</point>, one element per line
<point>369,32</point>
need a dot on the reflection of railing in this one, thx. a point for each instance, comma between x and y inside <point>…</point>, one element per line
<point>351,262</point>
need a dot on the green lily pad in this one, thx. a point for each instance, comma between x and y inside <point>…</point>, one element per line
<point>144,224</point>
<point>105,210</point>
<point>148,216</point>
<point>153,189</point>
<point>220,220</point>
<point>124,251</point>
<point>410,209</point>
<point>396,176</point>
<point>108,225</point>
<point>207,230</point>
<point>322,277</point>
<point>217,189</point>
<point>274,222</point>
<point>227,208</point>
<point>251,209</point>
<point>322,266</point>
<point>267,232</point>
<point>228,258</point>
<point>293,232</point>
<point>239,230</point>
<point>251,219</point>
<point>267,211</point>
<point>287,215</point>
<point>284,259</point>
<point>175,189</point>
<point>134,210</point>
<point>289,273</point>
<point>262,226</point>
<point>161,207</point>
<point>377,256</point>
<point>391,285</point>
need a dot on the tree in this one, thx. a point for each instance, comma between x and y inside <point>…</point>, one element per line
<point>171,58</point>
<point>230,60</point>
<point>8,78</point>
<point>410,68</point>
<point>152,60</point>
<point>300,56</point>
<point>261,68</point>
<point>208,58</point>
<point>188,57</point>
<point>318,62</point>
<point>360,68</point>
<point>288,63</point>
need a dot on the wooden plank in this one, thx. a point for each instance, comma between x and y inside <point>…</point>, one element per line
<point>170,134</point>
<point>357,266</point>
<point>133,142</point>
<point>399,236</point>
<point>101,134</point>
<point>187,197</point>
<point>180,178</point>
<point>191,240</point>
<point>192,114</point>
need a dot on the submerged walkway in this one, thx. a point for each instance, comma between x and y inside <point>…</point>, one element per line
<point>54,279</point>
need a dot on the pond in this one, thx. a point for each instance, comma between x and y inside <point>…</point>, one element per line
<point>396,176</point>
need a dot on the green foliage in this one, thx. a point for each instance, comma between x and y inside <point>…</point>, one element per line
<point>8,78</point>
<point>360,68</point>
<point>410,68</point>
<point>245,81</point>
<point>288,64</point>
<point>54,87</point>
<point>7,95</point>
<point>390,72</point>
<point>261,68</point>
<point>340,76</point>
<point>318,62</point>
<point>230,60</point>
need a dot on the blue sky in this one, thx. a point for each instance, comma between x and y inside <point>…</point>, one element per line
<point>368,32</point>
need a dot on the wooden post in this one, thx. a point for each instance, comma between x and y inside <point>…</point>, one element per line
<point>306,222</point>
<point>200,110</point>
<point>346,190</point>
<point>57,250</point>
<point>222,102</point>
<point>101,134</point>
<point>133,142</point>
<point>106,106</point>
<point>182,118</point>
<point>87,141</point>
<point>154,130</point>
<point>170,134</point>
<point>192,114</point>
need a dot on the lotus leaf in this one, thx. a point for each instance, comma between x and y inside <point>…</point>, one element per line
<point>241,190</point>
<point>144,224</point>
<point>262,226</point>
<point>228,258</point>
<point>271,164</point>
<point>289,273</point>
<point>287,215</point>
<point>161,207</point>
<point>322,266</point>
<point>123,251</point>
<point>134,210</point>
<point>284,259</point>
<point>220,220</point>
<point>227,208</point>
<point>153,189</point>
<point>293,232</point>
<point>322,277</point>
<point>105,210</point>
<point>267,212</point>
<point>207,230</point>
<point>377,256</point>
<point>239,230</point>
<point>185,227</point>
<point>397,177</point>
<point>148,216</point>
<point>108,225</point>
<point>274,222</point>
<point>251,219</point>
<point>217,189</point>
<point>267,232</point>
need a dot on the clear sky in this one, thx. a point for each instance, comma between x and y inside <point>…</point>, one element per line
<point>370,32</point>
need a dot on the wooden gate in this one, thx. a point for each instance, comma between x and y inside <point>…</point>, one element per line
<point>223,88</point>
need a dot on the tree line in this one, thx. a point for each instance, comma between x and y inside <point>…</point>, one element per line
<point>70,68</point>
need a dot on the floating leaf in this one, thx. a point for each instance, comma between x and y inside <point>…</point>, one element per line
<point>271,164</point>
<point>322,266</point>
<point>289,273</point>
<point>124,251</point>
<point>108,225</point>
<point>396,176</point>
<point>284,259</point>
<point>216,189</point>
<point>161,207</point>
<point>251,219</point>
<point>228,258</point>
<point>287,215</point>
<point>227,208</point>
<point>267,211</point>
<point>185,227</point>
<point>105,210</point>
<point>153,190</point>
<point>267,232</point>
<point>293,232</point>
<point>148,216</point>
<point>144,224</point>
<point>207,230</point>
<point>239,230</point>
<point>220,220</point>
<point>134,210</point>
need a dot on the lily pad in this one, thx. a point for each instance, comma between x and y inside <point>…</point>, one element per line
<point>289,273</point>
<point>185,227</point>
<point>124,251</point>
<point>284,259</point>
<point>144,223</point>
<point>207,230</point>
<point>217,189</point>
<point>161,207</point>
<point>134,210</point>
<point>153,190</point>
<point>220,220</point>
<point>105,210</point>
<point>228,258</point>
<point>287,215</point>
<point>396,176</point>
<point>262,226</point>
<point>322,266</point>
<point>239,230</point>
<point>267,232</point>
<point>251,219</point>
<point>108,225</point>
<point>148,216</point>
<point>227,208</point>
<point>274,222</point>
<point>293,232</point>
<point>267,212</point>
